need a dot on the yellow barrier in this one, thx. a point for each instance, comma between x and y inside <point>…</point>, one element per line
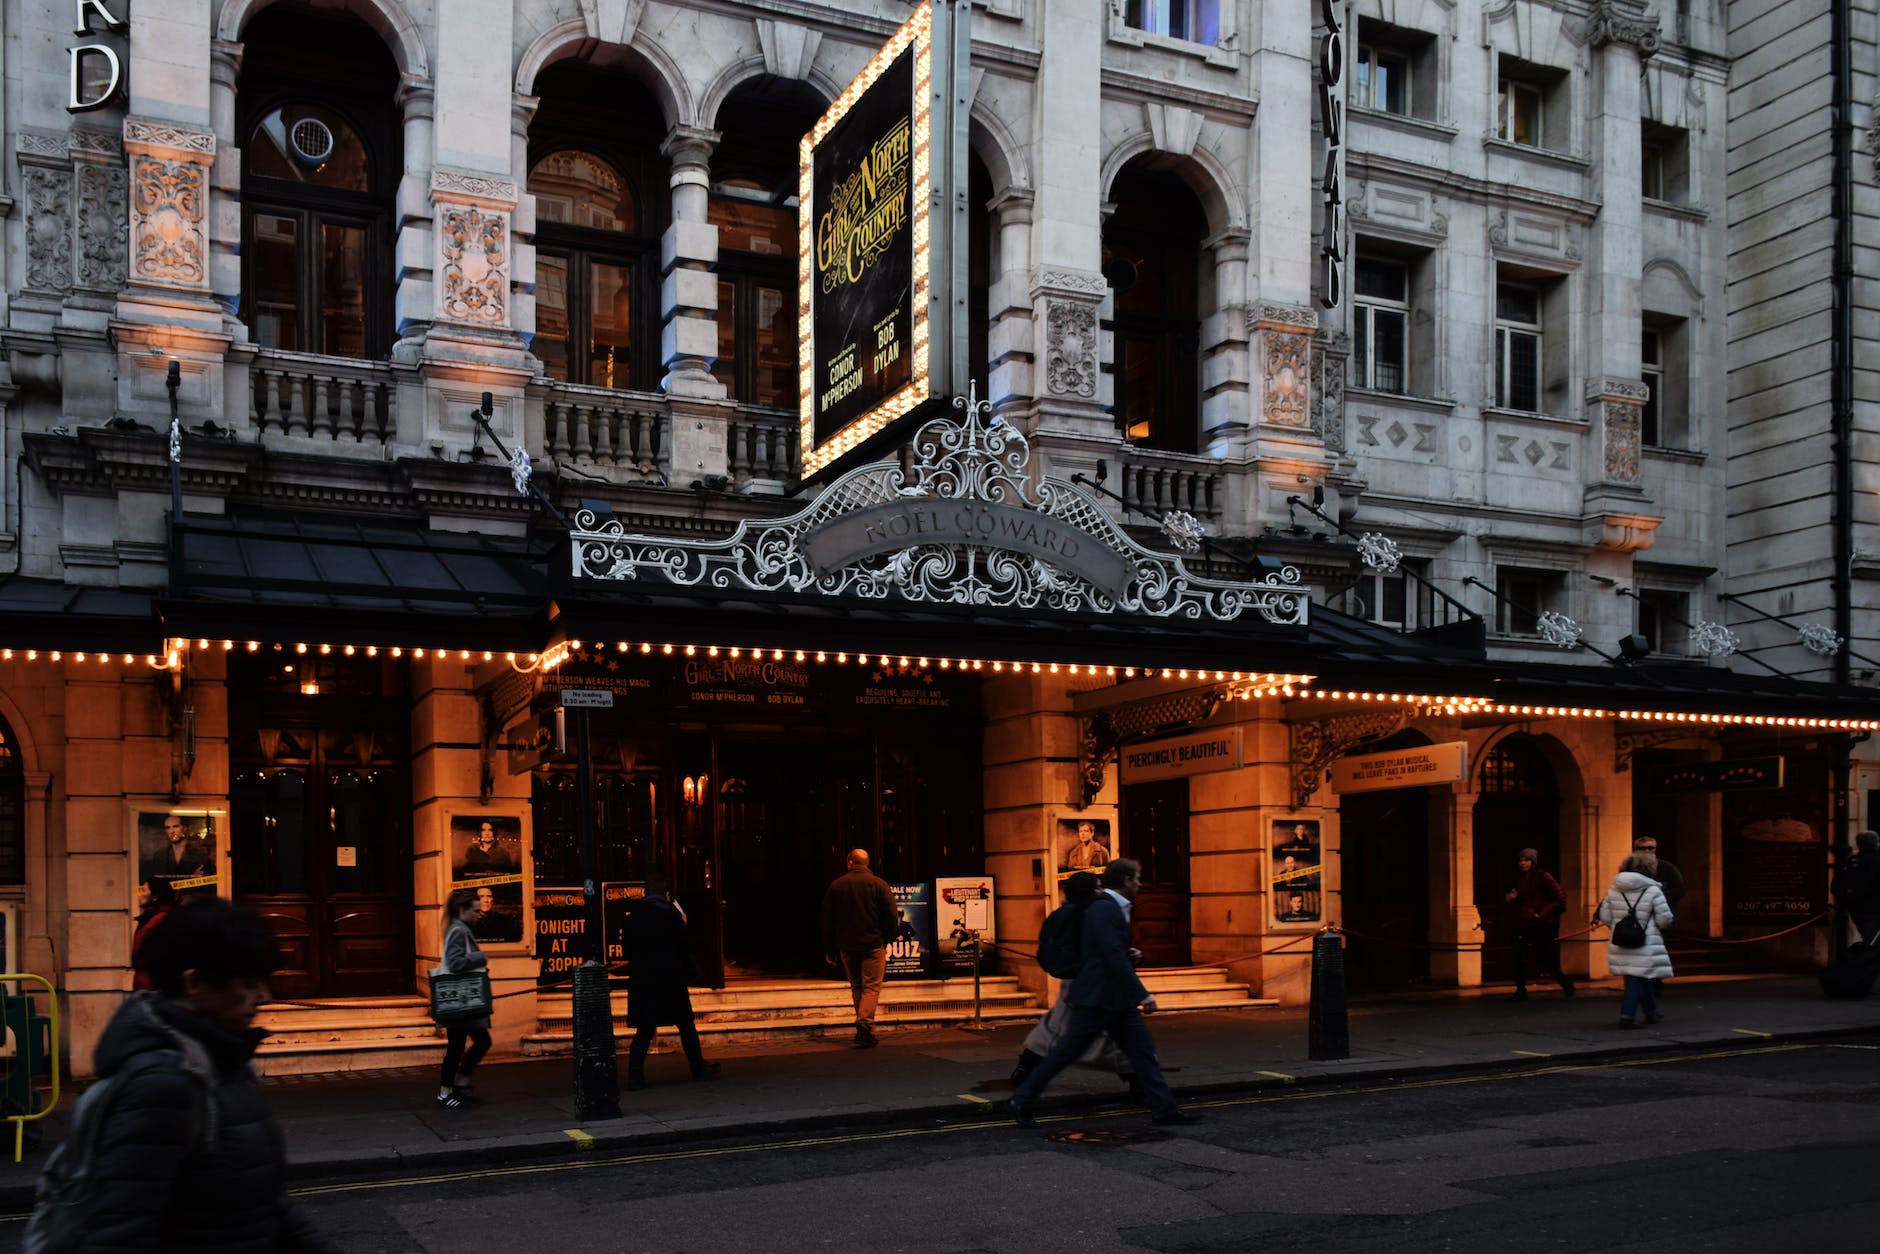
<point>22,1051</point>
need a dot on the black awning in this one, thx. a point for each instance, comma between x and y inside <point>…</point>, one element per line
<point>49,614</point>
<point>355,582</point>
<point>1676,689</point>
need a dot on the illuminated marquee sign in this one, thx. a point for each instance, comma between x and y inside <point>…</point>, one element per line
<point>879,237</point>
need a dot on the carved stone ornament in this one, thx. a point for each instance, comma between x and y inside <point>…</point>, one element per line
<point>102,210</point>
<point>1316,742</point>
<point>1283,399</point>
<point>48,228</point>
<point>467,185</point>
<point>1331,359</point>
<point>1283,317</point>
<point>144,133</point>
<point>1623,22</point>
<point>475,247</point>
<point>1622,441</point>
<point>1067,282</point>
<point>1070,332</point>
<point>169,203</point>
<point>965,524</point>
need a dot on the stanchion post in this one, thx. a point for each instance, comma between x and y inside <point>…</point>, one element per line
<point>1328,1026</point>
<point>596,1065</point>
<point>976,1015</point>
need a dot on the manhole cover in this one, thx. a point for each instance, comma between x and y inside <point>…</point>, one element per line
<point>1106,1136</point>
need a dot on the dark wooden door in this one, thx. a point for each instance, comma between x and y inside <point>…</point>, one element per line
<point>1384,869</point>
<point>1155,833</point>
<point>320,819</point>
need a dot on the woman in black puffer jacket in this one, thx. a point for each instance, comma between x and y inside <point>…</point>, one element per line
<point>189,1160</point>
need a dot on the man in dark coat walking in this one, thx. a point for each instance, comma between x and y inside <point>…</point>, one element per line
<point>1538,903</point>
<point>859,922</point>
<point>188,1157</point>
<point>659,980</point>
<point>1106,996</point>
<point>1856,886</point>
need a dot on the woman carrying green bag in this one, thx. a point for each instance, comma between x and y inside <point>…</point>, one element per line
<point>461,954</point>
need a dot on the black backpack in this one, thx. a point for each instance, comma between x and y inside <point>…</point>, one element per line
<point>1629,933</point>
<point>1061,941</point>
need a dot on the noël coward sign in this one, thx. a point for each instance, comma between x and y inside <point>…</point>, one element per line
<point>1401,768</point>
<point>928,521</point>
<point>877,242</point>
<point>1194,754</point>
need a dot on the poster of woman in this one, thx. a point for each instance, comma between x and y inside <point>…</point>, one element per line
<point>486,855</point>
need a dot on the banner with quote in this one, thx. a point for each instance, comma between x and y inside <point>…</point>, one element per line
<point>881,241</point>
<point>1445,763</point>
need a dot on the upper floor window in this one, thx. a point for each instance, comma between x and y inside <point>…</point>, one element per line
<point>1381,79</point>
<point>1523,595</point>
<point>320,157</point>
<point>1531,102</point>
<point>1652,373</point>
<point>1198,21</point>
<point>1398,599</point>
<point>1664,621</point>
<point>1152,260</point>
<point>1518,112</point>
<point>1380,324</point>
<point>1518,346</point>
<point>1664,163</point>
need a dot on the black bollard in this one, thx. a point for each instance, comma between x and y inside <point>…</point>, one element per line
<point>596,1068</point>
<point>1329,1031</point>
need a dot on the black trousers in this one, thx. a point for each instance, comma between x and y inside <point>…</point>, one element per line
<point>688,1041</point>
<point>1543,940</point>
<point>459,1060</point>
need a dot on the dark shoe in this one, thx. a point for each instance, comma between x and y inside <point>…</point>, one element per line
<point>1179,1117</point>
<point>1567,988</point>
<point>465,1096</point>
<point>707,1071</point>
<point>1021,1115</point>
<point>1654,1017</point>
<point>635,1083</point>
<point>1518,995</point>
<point>1137,1093</point>
<point>1627,1023</point>
<point>866,1040</point>
<point>1027,1063</point>
<point>451,1102</point>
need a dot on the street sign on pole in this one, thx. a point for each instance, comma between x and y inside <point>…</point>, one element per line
<point>588,698</point>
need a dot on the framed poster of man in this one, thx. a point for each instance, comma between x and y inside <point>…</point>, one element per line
<point>1082,844</point>
<point>1294,886</point>
<point>486,854</point>
<point>181,845</point>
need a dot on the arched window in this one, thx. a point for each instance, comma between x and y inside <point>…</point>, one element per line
<point>12,809</point>
<point>599,212</point>
<point>321,149</point>
<point>753,205</point>
<point>1152,259</point>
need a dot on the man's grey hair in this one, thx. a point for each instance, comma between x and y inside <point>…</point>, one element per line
<point>1118,870</point>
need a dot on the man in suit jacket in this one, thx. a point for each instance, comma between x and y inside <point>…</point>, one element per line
<point>1106,996</point>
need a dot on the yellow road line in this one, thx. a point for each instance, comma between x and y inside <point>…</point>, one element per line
<point>1529,1053</point>
<point>1281,1076</point>
<point>1753,1032</point>
<point>974,1097</point>
<point>583,1139</point>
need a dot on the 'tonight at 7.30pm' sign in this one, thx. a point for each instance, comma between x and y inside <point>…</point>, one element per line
<point>878,241</point>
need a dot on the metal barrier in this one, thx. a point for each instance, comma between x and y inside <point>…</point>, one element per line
<point>29,1052</point>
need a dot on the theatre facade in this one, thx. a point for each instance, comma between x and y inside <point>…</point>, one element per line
<point>1336,498</point>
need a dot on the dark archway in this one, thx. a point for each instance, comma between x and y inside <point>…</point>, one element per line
<point>1152,260</point>
<point>1517,807</point>
<point>1384,869</point>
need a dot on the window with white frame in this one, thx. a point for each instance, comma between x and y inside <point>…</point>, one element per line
<point>1395,599</point>
<point>1652,373</point>
<point>1380,324</point>
<point>1381,79</point>
<point>1518,345</point>
<point>1665,369</point>
<point>1522,595</point>
<point>1519,117</point>
<point>1197,21</point>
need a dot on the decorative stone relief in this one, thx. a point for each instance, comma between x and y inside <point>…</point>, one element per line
<point>1069,282</point>
<point>612,21</point>
<point>102,210</point>
<point>1284,317</point>
<point>1622,22</point>
<point>1070,331</point>
<point>1172,129</point>
<point>789,49</point>
<point>171,203</point>
<point>1622,441</point>
<point>1328,398</point>
<point>469,185</point>
<point>48,228</point>
<point>146,133</point>
<point>1283,399</point>
<point>474,244</point>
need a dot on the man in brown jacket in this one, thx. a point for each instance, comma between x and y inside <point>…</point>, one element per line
<point>859,922</point>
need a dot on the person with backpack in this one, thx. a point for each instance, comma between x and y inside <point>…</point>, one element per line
<point>1636,910</point>
<point>1107,998</point>
<point>1060,954</point>
<point>172,1148</point>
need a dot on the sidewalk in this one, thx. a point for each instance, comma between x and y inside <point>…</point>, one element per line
<point>378,1120</point>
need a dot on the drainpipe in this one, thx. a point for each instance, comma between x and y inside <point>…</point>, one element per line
<point>1841,417</point>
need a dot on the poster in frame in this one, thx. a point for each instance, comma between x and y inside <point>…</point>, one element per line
<point>1082,841</point>
<point>185,844</point>
<point>1296,882</point>
<point>486,850</point>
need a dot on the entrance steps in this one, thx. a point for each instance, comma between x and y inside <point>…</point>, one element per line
<point>377,1033</point>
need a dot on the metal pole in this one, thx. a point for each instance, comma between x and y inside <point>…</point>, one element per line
<point>975,944</point>
<point>1328,1029</point>
<point>596,1066</point>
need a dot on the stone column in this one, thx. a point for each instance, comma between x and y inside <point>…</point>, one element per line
<point>1010,378</point>
<point>1068,290</point>
<point>688,340</point>
<point>415,297</point>
<point>1225,407</point>
<point>1455,923</point>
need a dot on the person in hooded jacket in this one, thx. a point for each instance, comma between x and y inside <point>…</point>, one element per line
<point>658,981</point>
<point>1635,890</point>
<point>188,1159</point>
<point>155,900</point>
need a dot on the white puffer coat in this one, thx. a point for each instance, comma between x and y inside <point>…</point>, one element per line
<point>1648,903</point>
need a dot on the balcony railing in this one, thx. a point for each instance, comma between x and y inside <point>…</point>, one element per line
<point>763,447</point>
<point>626,432</point>
<point>323,398</point>
<point>1155,482</point>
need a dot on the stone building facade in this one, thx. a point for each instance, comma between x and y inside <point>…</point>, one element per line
<point>328,237</point>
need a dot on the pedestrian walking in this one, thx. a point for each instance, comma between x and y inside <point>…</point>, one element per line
<point>1080,889</point>
<point>1670,881</point>
<point>859,921</point>
<point>1856,886</point>
<point>461,953</point>
<point>186,1155</point>
<point>1107,997</point>
<point>1634,894</point>
<point>1537,902</point>
<point>155,900</point>
<point>661,972</point>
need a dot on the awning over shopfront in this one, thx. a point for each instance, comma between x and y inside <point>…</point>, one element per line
<point>45,614</point>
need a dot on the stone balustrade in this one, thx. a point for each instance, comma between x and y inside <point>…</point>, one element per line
<point>624,435</point>
<point>763,449</point>
<point>331,400</point>
<point>1156,482</point>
